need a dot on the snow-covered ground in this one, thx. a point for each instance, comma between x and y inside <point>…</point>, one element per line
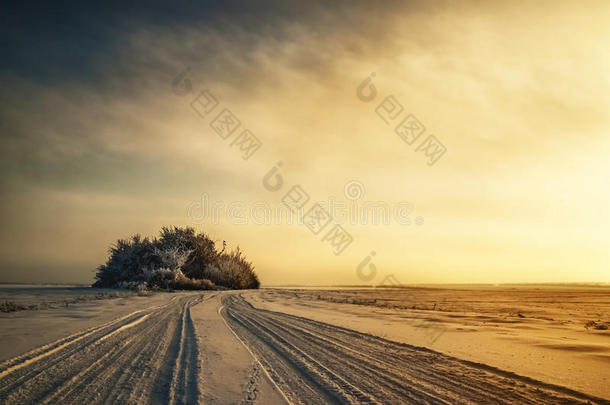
<point>269,347</point>
<point>44,296</point>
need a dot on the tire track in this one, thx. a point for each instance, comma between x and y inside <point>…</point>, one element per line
<point>130,360</point>
<point>314,362</point>
<point>184,381</point>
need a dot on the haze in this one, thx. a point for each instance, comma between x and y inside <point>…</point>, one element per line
<point>97,145</point>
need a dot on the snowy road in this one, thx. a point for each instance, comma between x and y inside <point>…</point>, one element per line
<point>148,356</point>
<point>187,351</point>
<point>314,363</point>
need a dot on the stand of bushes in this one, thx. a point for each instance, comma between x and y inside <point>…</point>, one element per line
<point>180,258</point>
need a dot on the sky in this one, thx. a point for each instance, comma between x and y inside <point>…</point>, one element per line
<point>112,117</point>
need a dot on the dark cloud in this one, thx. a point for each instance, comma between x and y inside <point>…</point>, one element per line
<point>49,42</point>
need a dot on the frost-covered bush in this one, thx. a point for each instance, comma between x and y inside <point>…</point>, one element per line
<point>232,270</point>
<point>238,272</point>
<point>180,258</point>
<point>181,282</point>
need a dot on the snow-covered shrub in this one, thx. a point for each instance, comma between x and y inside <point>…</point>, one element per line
<point>180,258</point>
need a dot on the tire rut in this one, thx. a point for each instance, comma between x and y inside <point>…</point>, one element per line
<point>313,362</point>
<point>130,360</point>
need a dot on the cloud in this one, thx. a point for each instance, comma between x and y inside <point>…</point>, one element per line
<point>517,105</point>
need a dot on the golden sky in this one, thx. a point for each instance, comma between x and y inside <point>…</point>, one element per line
<point>517,92</point>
